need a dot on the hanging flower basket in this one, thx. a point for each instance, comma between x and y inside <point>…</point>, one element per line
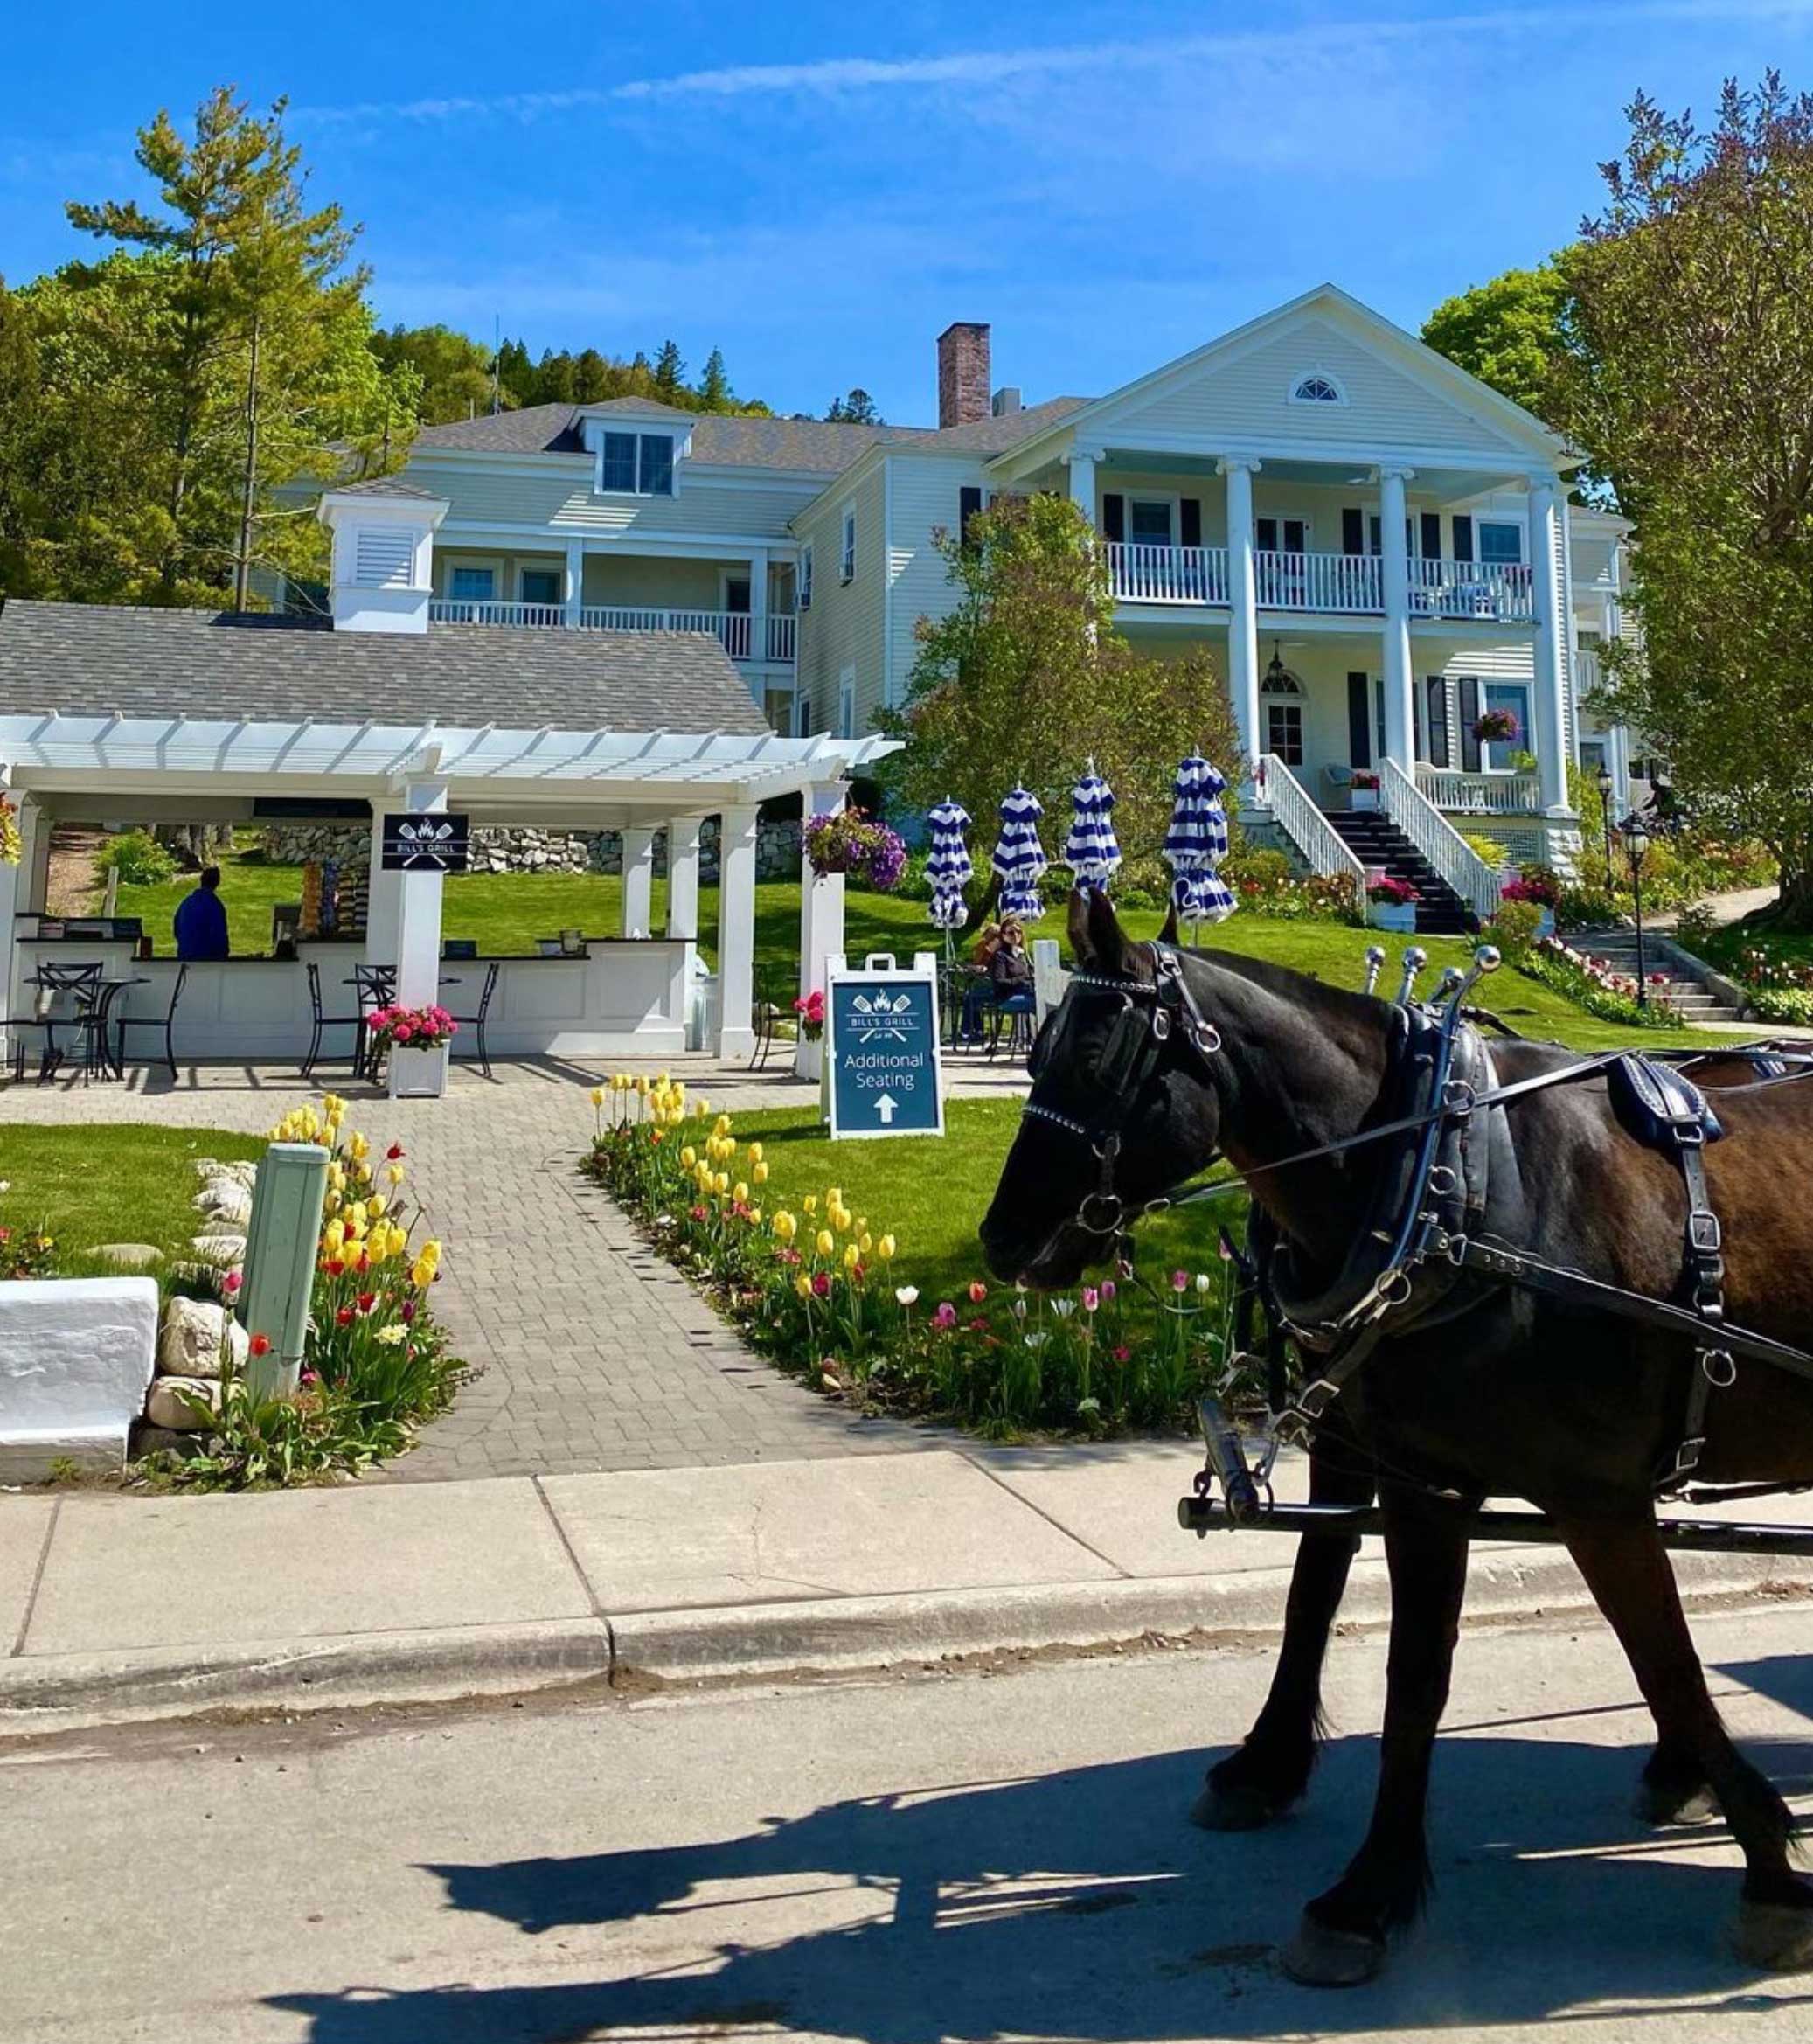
<point>1495,727</point>
<point>12,844</point>
<point>852,841</point>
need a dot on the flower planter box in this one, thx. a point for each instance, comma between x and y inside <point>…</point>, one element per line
<point>1395,915</point>
<point>1544,924</point>
<point>418,1075</point>
<point>1362,798</point>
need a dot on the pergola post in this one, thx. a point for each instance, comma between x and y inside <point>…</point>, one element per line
<point>638,882</point>
<point>419,913</point>
<point>736,932</point>
<point>683,878</point>
<point>383,894</point>
<point>13,882</point>
<point>820,919</point>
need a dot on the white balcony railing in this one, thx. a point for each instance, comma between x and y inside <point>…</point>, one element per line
<point>1322,846</point>
<point>1318,581</point>
<point>1501,592</point>
<point>1469,876</point>
<point>1167,575</point>
<point>734,629</point>
<point>1481,795</point>
<point>463,610</point>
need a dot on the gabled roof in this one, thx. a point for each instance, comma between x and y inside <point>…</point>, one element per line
<point>1447,379</point>
<point>386,486</point>
<point>82,659</point>
<point>641,407</point>
<point>806,445</point>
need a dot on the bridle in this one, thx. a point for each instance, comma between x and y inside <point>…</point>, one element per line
<point>1153,1014</point>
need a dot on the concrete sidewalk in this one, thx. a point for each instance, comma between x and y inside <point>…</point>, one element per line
<point>120,1607</point>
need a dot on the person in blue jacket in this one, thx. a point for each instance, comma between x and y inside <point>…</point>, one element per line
<point>201,919</point>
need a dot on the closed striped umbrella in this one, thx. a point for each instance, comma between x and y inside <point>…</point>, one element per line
<point>1090,851</point>
<point>1019,861</point>
<point>1196,841</point>
<point>948,864</point>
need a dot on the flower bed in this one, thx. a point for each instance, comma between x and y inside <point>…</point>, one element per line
<point>1597,987</point>
<point>1781,990</point>
<point>827,1291</point>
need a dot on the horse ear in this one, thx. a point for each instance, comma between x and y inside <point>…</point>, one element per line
<point>1107,940</point>
<point>1169,934</point>
<point>1082,948</point>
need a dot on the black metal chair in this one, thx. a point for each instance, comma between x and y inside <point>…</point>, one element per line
<point>321,1021</point>
<point>476,1023</point>
<point>82,984</point>
<point>166,1022</point>
<point>1012,1014</point>
<point>765,1014</point>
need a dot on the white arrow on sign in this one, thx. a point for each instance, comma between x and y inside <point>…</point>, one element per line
<point>884,1107</point>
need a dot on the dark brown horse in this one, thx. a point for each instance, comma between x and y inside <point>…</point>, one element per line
<point>1521,1394</point>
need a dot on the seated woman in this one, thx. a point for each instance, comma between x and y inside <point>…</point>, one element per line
<point>979,990</point>
<point>1011,970</point>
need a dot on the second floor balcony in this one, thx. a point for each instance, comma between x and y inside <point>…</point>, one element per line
<point>1328,584</point>
<point>735,630</point>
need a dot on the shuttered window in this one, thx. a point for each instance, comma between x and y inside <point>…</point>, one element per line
<point>384,558</point>
<point>1359,721</point>
<point>1190,521</point>
<point>1114,515</point>
<point>1435,721</point>
<point>1469,717</point>
<point>1353,529</point>
<point>805,578</point>
<point>846,567</point>
<point>1432,535</point>
<point>1464,536</point>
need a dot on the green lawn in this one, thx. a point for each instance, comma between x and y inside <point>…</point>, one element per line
<point>109,1183</point>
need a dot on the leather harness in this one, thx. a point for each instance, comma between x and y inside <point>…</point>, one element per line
<point>1422,1240</point>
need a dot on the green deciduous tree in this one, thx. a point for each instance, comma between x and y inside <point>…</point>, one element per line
<point>454,370</point>
<point>1510,333</point>
<point>1689,383</point>
<point>1027,678</point>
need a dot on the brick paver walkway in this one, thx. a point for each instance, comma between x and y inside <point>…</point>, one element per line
<point>593,1353</point>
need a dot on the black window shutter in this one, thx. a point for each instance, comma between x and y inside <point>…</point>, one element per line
<point>1375,542</point>
<point>1353,529</point>
<point>1432,535</point>
<point>1469,717</point>
<point>1359,721</point>
<point>1190,521</point>
<point>1113,515</point>
<point>969,503</point>
<point>1419,743</point>
<point>1463,537</point>
<point>1265,535</point>
<point>1435,721</point>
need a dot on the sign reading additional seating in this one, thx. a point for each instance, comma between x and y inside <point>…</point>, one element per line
<point>881,1049</point>
<point>426,841</point>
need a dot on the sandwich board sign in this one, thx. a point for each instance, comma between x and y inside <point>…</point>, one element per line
<point>881,1069</point>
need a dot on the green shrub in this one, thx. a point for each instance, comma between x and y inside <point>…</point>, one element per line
<point>1514,927</point>
<point>1489,849</point>
<point>139,859</point>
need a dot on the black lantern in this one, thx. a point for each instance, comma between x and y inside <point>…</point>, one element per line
<point>1635,834</point>
<point>1277,676</point>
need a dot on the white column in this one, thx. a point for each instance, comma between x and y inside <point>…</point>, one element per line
<point>736,932</point>
<point>821,921</point>
<point>1243,612</point>
<point>35,858</point>
<point>758,619</point>
<point>1550,715</point>
<point>683,878</point>
<point>15,882</point>
<point>1395,566</point>
<point>573,595</point>
<point>1081,463</point>
<point>384,896</point>
<point>638,878</point>
<point>419,913</point>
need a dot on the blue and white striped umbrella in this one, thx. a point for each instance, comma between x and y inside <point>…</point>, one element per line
<point>1197,839</point>
<point>1019,860</point>
<point>948,864</point>
<point>1090,851</point>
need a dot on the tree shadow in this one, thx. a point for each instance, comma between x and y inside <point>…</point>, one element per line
<point>1080,1905</point>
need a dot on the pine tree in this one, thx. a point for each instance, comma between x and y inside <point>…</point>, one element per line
<point>516,374</point>
<point>553,378</point>
<point>857,409</point>
<point>714,392</point>
<point>592,378</point>
<point>670,370</point>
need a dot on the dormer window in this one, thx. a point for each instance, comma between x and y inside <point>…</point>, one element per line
<point>637,464</point>
<point>1316,388</point>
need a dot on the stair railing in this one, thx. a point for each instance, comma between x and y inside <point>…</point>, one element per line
<point>1450,853</point>
<point>1322,846</point>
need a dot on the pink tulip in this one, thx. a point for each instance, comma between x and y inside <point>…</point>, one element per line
<point>945,1317</point>
<point>1092,1298</point>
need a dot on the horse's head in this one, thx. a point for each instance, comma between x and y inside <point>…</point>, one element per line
<point>1121,1111</point>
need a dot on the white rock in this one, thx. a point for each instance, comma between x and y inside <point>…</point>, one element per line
<point>167,1406</point>
<point>75,1357</point>
<point>191,1342</point>
<point>221,1250</point>
<point>226,1201</point>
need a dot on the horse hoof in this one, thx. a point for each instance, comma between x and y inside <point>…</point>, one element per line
<point>1773,1936</point>
<point>1234,1806</point>
<point>1319,1957</point>
<point>1661,1804</point>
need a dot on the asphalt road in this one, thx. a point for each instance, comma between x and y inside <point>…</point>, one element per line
<point>900,1860</point>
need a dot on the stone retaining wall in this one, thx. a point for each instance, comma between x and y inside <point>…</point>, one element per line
<point>523,849</point>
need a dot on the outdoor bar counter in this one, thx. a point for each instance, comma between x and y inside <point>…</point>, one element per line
<point>626,996</point>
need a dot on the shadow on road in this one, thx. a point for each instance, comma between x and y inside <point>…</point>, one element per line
<point>1080,1905</point>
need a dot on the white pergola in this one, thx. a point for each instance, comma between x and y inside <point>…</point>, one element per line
<point>180,769</point>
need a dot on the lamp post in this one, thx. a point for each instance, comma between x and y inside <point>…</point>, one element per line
<point>1636,848</point>
<point>1604,785</point>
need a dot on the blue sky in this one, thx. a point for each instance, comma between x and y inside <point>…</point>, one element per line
<point>819,194</point>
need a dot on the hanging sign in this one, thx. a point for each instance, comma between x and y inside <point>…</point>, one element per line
<point>426,841</point>
<point>881,1048</point>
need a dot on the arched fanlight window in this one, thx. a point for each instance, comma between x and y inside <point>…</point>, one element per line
<point>1283,712</point>
<point>1315,388</point>
<point>1279,680</point>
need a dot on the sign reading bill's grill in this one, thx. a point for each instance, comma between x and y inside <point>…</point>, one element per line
<point>426,841</point>
<point>881,1051</point>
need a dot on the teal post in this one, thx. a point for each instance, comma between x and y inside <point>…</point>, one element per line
<point>281,1238</point>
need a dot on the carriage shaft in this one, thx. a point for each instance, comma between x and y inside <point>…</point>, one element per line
<point>1202,1516</point>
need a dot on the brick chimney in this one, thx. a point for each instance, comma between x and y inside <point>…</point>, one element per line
<point>962,373</point>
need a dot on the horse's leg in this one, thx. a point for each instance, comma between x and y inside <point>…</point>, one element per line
<point>1271,1769</point>
<point>1341,1939</point>
<point>1627,1569</point>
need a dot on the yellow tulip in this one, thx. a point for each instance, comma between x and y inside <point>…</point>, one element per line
<point>840,1221</point>
<point>755,1217</point>
<point>331,1204</point>
<point>721,1127</point>
<point>827,1241</point>
<point>333,1240</point>
<point>375,1205</point>
<point>721,1182</point>
<point>742,1194</point>
<point>598,1096</point>
<point>803,1285</point>
<point>755,1153</point>
<point>758,1171</point>
<point>865,1243</point>
<point>853,1256</point>
<point>358,1147</point>
<point>810,1202</point>
<point>689,1156</point>
<point>785,1226</point>
<point>395,1174</point>
<point>862,1224</point>
<point>884,1248</point>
